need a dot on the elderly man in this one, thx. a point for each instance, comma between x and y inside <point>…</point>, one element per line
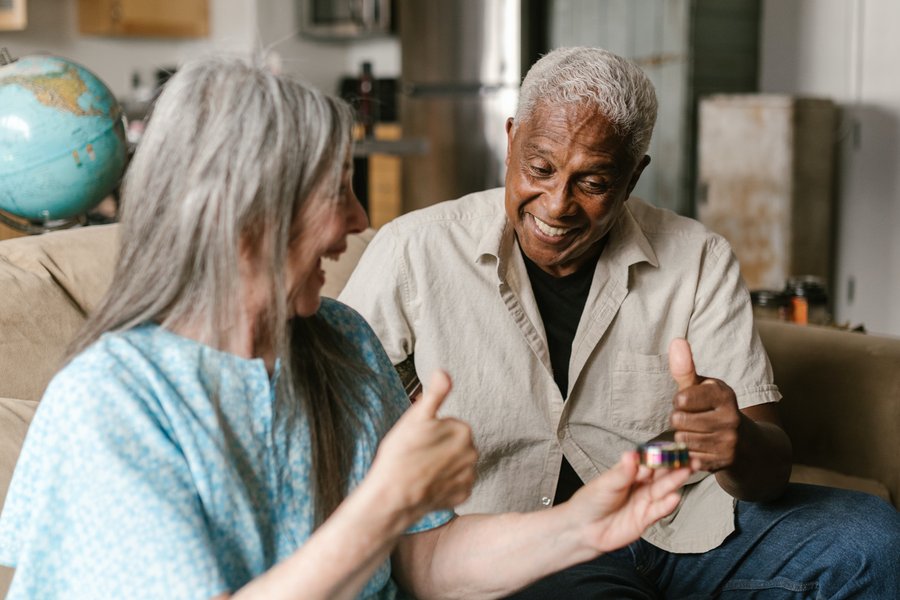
<point>577,323</point>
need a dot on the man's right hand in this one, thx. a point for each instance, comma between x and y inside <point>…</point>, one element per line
<point>425,461</point>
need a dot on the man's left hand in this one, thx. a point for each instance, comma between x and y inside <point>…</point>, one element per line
<point>706,416</point>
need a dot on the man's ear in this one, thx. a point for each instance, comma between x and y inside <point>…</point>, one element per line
<point>637,174</point>
<point>510,126</point>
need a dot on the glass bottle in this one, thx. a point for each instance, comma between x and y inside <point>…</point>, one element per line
<point>809,300</point>
<point>366,110</point>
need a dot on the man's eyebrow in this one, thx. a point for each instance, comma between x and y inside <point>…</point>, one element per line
<point>599,165</point>
<point>532,148</point>
<point>603,166</point>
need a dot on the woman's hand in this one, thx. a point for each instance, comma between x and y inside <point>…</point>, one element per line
<point>493,555</point>
<point>425,462</point>
<point>621,503</point>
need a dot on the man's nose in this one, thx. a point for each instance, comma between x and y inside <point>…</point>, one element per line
<point>558,201</point>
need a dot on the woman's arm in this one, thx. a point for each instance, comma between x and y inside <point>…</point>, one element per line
<point>486,556</point>
<point>338,560</point>
<point>424,463</point>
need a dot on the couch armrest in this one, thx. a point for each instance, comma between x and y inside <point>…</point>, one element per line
<point>841,404</point>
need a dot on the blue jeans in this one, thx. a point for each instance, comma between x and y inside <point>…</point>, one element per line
<point>813,542</point>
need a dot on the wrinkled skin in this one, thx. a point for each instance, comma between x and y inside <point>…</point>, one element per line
<point>569,173</point>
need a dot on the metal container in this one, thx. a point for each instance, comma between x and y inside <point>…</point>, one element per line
<point>771,304</point>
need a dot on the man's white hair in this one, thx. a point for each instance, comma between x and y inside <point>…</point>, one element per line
<point>617,88</point>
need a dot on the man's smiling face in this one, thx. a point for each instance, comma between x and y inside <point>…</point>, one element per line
<point>568,175</point>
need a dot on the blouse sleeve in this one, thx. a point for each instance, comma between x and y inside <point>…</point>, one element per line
<point>102,503</point>
<point>390,398</point>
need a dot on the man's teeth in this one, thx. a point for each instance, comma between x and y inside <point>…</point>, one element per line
<point>549,229</point>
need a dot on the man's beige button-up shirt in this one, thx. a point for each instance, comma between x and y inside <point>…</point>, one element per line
<point>448,284</point>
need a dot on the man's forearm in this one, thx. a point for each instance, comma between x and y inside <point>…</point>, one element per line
<point>762,464</point>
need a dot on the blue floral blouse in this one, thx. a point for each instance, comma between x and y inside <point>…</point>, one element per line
<point>156,467</point>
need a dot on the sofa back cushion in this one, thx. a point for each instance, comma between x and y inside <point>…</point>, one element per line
<point>841,404</point>
<point>48,284</point>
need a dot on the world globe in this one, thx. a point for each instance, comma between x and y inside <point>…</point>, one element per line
<point>62,139</point>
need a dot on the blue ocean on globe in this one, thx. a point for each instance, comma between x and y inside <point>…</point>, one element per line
<point>62,139</point>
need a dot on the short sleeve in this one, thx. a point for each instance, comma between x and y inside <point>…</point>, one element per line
<point>102,502</point>
<point>723,336</point>
<point>389,394</point>
<point>379,290</point>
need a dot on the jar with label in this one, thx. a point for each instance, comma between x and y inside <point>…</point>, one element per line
<point>809,300</point>
<point>771,304</point>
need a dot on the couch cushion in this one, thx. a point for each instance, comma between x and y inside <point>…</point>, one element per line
<point>841,401</point>
<point>817,476</point>
<point>49,283</point>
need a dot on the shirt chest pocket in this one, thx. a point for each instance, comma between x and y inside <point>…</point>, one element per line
<point>642,391</point>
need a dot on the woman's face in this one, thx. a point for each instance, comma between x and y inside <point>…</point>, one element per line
<point>320,232</point>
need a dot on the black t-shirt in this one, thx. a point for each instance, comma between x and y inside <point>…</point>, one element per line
<point>561,301</point>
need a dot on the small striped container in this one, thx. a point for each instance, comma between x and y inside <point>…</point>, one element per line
<point>669,455</point>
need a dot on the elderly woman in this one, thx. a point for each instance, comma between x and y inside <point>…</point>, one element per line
<point>221,429</point>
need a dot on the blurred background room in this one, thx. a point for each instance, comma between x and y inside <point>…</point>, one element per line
<point>779,122</point>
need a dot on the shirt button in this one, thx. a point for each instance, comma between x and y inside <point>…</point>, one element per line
<point>546,501</point>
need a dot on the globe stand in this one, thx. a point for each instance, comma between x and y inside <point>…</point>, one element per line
<point>35,227</point>
<point>5,57</point>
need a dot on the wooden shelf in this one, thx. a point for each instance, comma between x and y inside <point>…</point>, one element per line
<point>385,171</point>
<point>150,18</point>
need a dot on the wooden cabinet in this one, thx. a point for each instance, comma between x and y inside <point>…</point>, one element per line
<point>13,15</point>
<point>766,172</point>
<point>158,18</point>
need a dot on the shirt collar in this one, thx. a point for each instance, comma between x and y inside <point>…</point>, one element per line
<point>498,239</point>
<point>627,243</point>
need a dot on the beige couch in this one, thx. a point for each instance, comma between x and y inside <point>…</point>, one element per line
<point>842,390</point>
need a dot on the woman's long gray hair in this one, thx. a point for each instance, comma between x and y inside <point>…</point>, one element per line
<point>231,154</point>
<point>614,86</point>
